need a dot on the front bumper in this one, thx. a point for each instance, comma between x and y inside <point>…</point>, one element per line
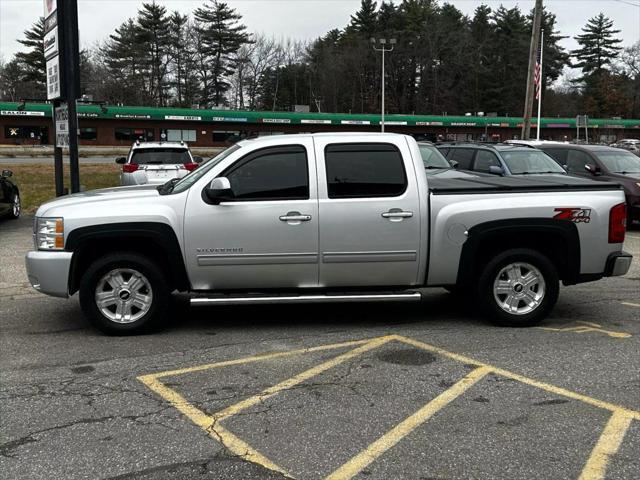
<point>618,264</point>
<point>48,272</point>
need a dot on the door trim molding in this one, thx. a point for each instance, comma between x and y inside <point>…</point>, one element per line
<point>370,257</point>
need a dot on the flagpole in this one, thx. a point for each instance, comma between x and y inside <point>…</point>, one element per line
<point>540,88</point>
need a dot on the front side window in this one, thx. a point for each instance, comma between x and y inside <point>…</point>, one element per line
<point>528,162</point>
<point>485,160</point>
<point>577,160</point>
<point>201,171</point>
<point>279,173</point>
<point>362,170</point>
<point>620,162</point>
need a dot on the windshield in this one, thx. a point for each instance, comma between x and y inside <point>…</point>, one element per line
<point>523,162</point>
<point>432,158</point>
<point>198,173</point>
<point>620,162</point>
<point>160,156</point>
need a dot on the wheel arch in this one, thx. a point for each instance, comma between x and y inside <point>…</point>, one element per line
<point>558,240</point>
<point>156,241</point>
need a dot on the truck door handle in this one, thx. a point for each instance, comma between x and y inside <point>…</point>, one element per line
<point>397,214</point>
<point>295,217</point>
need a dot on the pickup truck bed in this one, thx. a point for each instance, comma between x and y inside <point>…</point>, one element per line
<point>525,183</point>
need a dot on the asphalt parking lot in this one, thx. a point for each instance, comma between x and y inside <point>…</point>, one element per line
<point>418,391</point>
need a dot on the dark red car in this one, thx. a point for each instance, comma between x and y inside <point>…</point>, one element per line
<point>602,163</point>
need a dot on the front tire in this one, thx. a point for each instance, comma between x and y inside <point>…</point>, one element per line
<point>16,206</point>
<point>518,288</point>
<point>124,294</point>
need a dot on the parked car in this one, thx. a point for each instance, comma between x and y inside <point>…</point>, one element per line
<point>437,166</point>
<point>606,164</point>
<point>326,218</point>
<point>631,144</point>
<point>156,163</point>
<point>500,159</point>
<point>10,205</point>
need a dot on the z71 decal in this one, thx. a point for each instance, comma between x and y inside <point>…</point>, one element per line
<point>575,215</point>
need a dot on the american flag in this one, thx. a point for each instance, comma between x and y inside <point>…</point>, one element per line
<point>537,76</point>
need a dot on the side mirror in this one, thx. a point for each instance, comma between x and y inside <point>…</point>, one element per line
<point>453,163</point>
<point>219,190</point>
<point>495,170</point>
<point>7,173</point>
<point>592,169</point>
<point>198,159</point>
<point>121,160</point>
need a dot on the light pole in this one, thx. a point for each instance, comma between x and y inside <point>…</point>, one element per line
<point>383,49</point>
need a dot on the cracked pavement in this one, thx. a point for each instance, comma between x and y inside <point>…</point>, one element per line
<point>72,407</point>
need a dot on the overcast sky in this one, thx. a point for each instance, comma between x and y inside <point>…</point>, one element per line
<point>298,19</point>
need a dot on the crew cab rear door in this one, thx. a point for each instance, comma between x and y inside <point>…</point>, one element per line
<point>267,237</point>
<point>369,212</point>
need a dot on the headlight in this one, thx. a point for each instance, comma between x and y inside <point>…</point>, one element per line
<point>49,234</point>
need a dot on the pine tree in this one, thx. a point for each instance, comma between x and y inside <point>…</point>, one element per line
<point>599,46</point>
<point>222,35</point>
<point>365,20</point>
<point>153,37</point>
<point>32,62</point>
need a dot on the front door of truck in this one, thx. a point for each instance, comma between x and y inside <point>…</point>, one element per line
<point>267,236</point>
<point>369,213</point>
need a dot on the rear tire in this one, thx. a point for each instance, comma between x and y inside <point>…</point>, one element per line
<point>518,288</point>
<point>124,294</point>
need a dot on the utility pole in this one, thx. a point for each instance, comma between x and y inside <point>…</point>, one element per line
<point>528,101</point>
<point>383,49</point>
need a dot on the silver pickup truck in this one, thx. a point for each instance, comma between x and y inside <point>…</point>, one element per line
<point>326,218</point>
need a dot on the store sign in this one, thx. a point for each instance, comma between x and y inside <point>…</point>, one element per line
<point>132,117</point>
<point>62,125</point>
<point>276,120</point>
<point>355,122</point>
<point>429,124</point>
<point>316,122</point>
<point>54,86</point>
<point>21,113</point>
<point>191,118</point>
<point>394,122</point>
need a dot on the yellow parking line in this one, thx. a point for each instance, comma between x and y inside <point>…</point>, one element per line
<point>301,377</point>
<point>256,358</point>
<point>208,424</point>
<point>607,446</point>
<point>526,380</point>
<point>587,327</point>
<point>391,438</point>
<point>630,304</point>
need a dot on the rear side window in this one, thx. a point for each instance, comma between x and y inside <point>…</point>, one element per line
<point>484,160</point>
<point>160,156</point>
<point>364,170</point>
<point>464,157</point>
<point>279,173</point>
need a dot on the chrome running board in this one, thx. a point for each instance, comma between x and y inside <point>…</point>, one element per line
<point>337,298</point>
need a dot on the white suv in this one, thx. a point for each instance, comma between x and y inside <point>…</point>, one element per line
<point>156,163</point>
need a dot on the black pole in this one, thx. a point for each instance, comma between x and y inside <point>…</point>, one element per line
<point>71,68</point>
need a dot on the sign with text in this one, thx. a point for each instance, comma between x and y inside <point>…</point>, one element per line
<point>62,125</point>
<point>54,87</point>
<point>51,43</point>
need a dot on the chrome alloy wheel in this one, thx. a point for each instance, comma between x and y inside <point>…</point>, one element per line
<point>123,295</point>
<point>519,288</point>
<point>16,205</point>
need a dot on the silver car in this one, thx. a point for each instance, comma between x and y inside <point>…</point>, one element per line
<point>156,163</point>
